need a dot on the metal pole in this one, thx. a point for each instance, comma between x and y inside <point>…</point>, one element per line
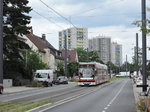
<point>144,45</point>
<point>126,65</point>
<point>1,41</point>
<point>137,56</point>
<point>66,70</point>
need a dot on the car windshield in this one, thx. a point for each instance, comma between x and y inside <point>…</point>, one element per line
<point>41,75</point>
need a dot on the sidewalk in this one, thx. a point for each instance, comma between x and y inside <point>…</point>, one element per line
<point>17,89</point>
<point>137,91</point>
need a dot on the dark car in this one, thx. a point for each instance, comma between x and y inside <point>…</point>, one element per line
<point>61,80</point>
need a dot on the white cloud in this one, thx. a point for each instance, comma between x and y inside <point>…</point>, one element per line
<point>42,26</point>
<point>121,31</point>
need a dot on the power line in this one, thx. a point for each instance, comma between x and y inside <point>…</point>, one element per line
<point>57,13</point>
<point>48,19</point>
<point>86,11</point>
<point>119,14</point>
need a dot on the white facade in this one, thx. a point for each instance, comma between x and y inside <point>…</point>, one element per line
<point>45,56</point>
<point>76,38</point>
<point>102,45</point>
<point>116,54</point>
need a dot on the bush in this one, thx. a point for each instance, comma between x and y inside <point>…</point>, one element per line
<point>141,104</point>
<point>35,84</point>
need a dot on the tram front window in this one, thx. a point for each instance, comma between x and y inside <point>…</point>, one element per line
<point>86,72</point>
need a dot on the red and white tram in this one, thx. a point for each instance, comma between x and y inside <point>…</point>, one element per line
<point>92,73</point>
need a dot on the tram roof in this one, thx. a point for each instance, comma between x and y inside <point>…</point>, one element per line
<point>98,65</point>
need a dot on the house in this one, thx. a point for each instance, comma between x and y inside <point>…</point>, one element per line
<point>47,52</point>
<point>72,55</point>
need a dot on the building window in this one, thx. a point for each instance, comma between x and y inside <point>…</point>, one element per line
<point>60,34</point>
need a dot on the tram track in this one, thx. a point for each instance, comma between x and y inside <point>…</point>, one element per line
<point>54,96</point>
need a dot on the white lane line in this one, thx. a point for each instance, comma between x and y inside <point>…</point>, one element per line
<point>114,97</point>
<point>38,94</point>
<point>108,105</point>
<point>67,99</point>
<point>105,108</point>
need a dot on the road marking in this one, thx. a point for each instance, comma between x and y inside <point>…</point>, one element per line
<point>38,93</point>
<point>105,108</point>
<point>114,98</point>
<point>67,99</point>
<point>108,105</point>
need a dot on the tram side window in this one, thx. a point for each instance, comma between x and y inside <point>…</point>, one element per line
<point>99,72</point>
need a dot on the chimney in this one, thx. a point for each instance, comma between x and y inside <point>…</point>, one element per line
<point>43,36</point>
<point>31,31</point>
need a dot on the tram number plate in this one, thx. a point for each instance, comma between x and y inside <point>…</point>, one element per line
<point>86,83</point>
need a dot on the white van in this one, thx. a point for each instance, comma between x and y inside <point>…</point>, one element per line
<point>44,76</point>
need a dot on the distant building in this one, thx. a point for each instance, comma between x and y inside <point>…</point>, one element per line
<point>72,55</point>
<point>116,54</point>
<point>76,38</point>
<point>101,44</point>
<point>47,52</point>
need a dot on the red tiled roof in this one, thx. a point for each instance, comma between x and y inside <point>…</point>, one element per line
<point>39,42</point>
<point>71,55</point>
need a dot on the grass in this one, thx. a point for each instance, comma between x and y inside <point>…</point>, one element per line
<point>113,79</point>
<point>140,105</point>
<point>20,106</point>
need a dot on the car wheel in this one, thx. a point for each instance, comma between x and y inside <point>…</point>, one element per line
<point>1,90</point>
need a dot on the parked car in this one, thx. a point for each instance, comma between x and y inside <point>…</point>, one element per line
<point>1,88</point>
<point>61,80</point>
<point>139,81</point>
<point>44,76</point>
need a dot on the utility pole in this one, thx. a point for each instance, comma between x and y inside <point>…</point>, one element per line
<point>126,65</point>
<point>66,54</point>
<point>137,56</point>
<point>1,42</point>
<point>144,46</point>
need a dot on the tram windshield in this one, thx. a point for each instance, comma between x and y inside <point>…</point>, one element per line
<point>86,72</point>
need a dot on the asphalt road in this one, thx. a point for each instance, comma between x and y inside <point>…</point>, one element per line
<point>37,94</point>
<point>115,97</point>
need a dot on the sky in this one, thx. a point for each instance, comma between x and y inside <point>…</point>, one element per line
<point>111,18</point>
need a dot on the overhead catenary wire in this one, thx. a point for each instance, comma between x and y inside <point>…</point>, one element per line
<point>86,11</point>
<point>48,19</point>
<point>57,13</point>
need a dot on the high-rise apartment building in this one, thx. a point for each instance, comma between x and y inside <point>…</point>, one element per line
<point>101,44</point>
<point>116,54</point>
<point>75,38</point>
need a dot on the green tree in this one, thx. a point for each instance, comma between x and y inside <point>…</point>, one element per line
<point>31,63</point>
<point>15,25</point>
<point>82,55</point>
<point>147,22</point>
<point>73,69</point>
<point>60,68</point>
<point>88,56</point>
<point>93,56</point>
<point>113,68</point>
